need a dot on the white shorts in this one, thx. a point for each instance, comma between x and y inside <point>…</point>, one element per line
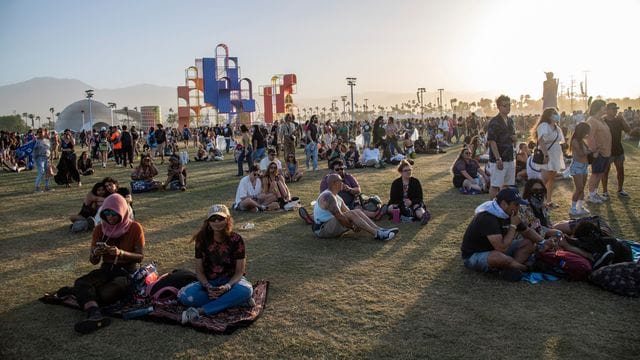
<point>506,176</point>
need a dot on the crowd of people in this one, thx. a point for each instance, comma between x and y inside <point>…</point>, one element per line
<point>504,236</point>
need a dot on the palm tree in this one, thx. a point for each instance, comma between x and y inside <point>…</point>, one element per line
<point>30,116</point>
<point>38,120</point>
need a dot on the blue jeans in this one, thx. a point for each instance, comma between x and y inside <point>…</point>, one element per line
<point>196,295</point>
<point>258,154</point>
<point>393,144</point>
<point>42,164</point>
<point>311,151</point>
<point>240,161</point>
<point>366,137</point>
<point>228,144</point>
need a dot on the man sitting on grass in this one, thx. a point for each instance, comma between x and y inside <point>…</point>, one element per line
<point>249,195</point>
<point>490,241</point>
<point>332,218</point>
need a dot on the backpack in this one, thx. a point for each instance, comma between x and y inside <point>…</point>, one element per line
<point>622,279</point>
<point>565,264</point>
<point>370,203</point>
<point>165,290</point>
<point>594,235</point>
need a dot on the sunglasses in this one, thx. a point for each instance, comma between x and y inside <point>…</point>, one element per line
<point>338,169</point>
<point>466,153</point>
<point>216,218</point>
<point>407,170</point>
<point>109,212</point>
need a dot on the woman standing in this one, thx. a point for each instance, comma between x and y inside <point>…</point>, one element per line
<point>579,168</point>
<point>549,137</point>
<point>406,195</point>
<point>41,154</point>
<point>220,268</point>
<point>245,152</point>
<point>67,170</point>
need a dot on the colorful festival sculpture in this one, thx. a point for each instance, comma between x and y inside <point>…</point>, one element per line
<point>215,83</point>
<point>277,96</point>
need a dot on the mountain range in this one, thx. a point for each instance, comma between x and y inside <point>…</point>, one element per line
<point>37,95</point>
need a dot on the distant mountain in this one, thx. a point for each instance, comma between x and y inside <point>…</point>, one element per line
<point>37,95</point>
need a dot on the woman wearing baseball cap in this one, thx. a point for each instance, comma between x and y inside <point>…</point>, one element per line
<point>220,268</point>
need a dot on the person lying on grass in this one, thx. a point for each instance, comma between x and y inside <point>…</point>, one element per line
<point>220,269</point>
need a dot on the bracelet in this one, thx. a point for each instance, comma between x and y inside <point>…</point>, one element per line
<point>228,286</point>
<point>513,226</point>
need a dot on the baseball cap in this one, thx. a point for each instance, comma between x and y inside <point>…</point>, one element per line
<point>220,210</point>
<point>510,195</point>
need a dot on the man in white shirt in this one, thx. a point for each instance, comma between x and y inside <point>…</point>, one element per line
<point>271,156</point>
<point>371,156</point>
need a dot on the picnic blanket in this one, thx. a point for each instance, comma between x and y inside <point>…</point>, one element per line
<point>225,322</point>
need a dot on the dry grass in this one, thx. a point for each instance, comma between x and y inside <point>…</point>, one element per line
<point>345,298</point>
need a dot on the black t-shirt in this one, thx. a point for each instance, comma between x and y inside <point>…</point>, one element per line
<point>482,225</point>
<point>501,133</point>
<point>161,136</point>
<point>313,131</point>
<point>126,139</point>
<point>259,139</point>
<point>616,128</point>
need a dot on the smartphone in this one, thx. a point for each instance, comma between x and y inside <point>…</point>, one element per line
<point>101,244</point>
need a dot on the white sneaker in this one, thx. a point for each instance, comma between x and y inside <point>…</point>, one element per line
<point>574,212</point>
<point>604,196</point>
<point>594,199</point>
<point>189,315</point>
<point>584,211</point>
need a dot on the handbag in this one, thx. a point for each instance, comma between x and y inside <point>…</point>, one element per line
<point>538,155</point>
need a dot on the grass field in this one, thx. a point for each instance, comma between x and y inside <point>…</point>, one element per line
<point>345,298</point>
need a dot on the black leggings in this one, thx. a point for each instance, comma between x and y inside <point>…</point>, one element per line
<point>105,285</point>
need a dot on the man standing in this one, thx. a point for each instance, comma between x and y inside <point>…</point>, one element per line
<point>227,132</point>
<point>186,135</point>
<point>616,124</point>
<point>127,147</point>
<point>312,143</point>
<point>599,141</point>
<point>501,135</point>
<point>161,140</point>
<point>287,132</point>
<point>491,243</point>
<point>332,218</point>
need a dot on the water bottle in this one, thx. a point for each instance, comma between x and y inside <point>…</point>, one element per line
<point>248,226</point>
<point>137,313</point>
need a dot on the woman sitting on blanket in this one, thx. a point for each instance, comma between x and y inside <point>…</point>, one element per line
<point>468,176</point>
<point>273,182</point>
<point>143,175</point>
<point>406,195</point>
<point>220,268</point>
<point>118,242</point>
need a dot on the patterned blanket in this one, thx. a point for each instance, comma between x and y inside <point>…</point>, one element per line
<point>225,322</point>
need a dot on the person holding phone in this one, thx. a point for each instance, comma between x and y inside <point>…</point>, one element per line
<point>117,245</point>
<point>220,268</point>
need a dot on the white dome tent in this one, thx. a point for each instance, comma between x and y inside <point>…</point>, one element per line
<point>71,116</point>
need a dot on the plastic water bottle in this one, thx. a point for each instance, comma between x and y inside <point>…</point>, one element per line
<point>137,313</point>
<point>248,226</point>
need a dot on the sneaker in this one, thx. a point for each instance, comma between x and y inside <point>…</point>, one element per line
<point>594,199</point>
<point>387,234</point>
<point>49,189</point>
<point>574,213</point>
<point>510,275</point>
<point>94,321</point>
<point>623,193</point>
<point>604,196</point>
<point>305,216</point>
<point>38,190</point>
<point>189,315</point>
<point>584,211</point>
<point>605,259</point>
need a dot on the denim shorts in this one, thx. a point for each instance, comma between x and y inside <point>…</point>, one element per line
<point>480,261</point>
<point>578,168</point>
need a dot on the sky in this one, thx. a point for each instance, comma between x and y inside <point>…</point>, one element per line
<point>390,46</point>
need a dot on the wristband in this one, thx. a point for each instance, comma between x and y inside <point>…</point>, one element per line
<point>513,226</point>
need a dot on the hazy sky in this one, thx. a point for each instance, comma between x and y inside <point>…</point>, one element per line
<point>396,46</point>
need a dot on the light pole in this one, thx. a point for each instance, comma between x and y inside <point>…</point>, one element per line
<point>38,119</point>
<point>89,96</point>
<point>82,112</point>
<point>351,81</point>
<point>366,107</point>
<point>344,104</point>
<point>334,108</point>
<point>586,93</point>
<point>112,106</point>
<point>51,110</point>
<point>420,94</point>
<point>440,101</point>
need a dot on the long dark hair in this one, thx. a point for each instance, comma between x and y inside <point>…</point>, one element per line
<point>205,233</point>
<point>544,118</point>
<point>526,193</point>
<point>582,129</point>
